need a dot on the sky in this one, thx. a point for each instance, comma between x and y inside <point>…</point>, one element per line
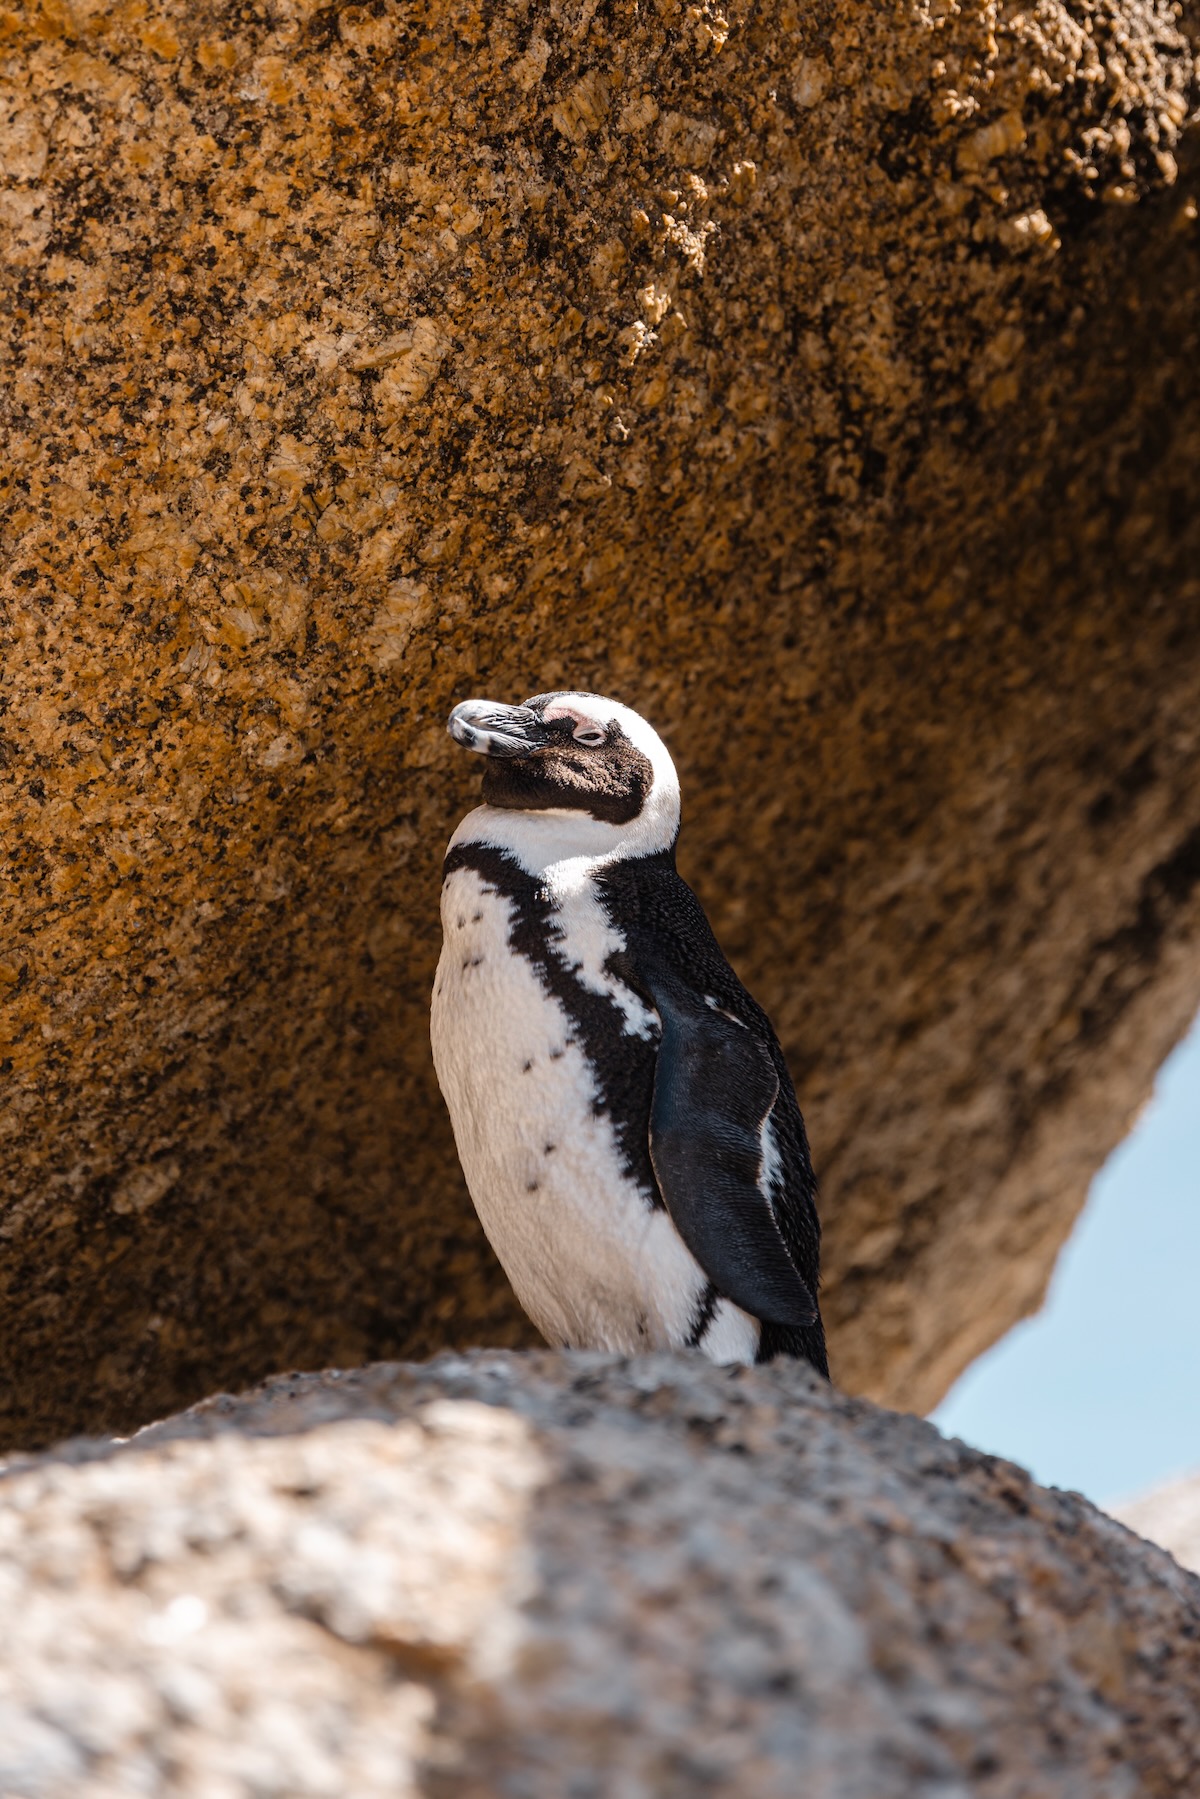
<point>1101,1391</point>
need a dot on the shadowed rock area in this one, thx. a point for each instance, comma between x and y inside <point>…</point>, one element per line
<point>821,381</point>
<point>501,1575</point>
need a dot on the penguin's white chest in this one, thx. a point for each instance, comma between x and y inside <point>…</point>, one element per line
<point>592,1261</point>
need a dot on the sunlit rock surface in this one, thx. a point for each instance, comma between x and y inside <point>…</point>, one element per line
<point>821,380</point>
<point>1168,1515</point>
<point>532,1576</point>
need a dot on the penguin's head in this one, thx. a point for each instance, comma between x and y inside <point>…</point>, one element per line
<point>576,753</point>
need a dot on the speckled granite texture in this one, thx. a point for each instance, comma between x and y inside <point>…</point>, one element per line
<point>577,1577</point>
<point>821,380</point>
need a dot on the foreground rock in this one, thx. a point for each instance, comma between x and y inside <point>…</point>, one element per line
<point>527,1576</point>
<point>821,379</point>
<point>1168,1515</point>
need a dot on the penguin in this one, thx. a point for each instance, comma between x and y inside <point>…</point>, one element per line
<point>624,1116</point>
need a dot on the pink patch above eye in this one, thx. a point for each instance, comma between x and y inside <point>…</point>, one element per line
<point>580,720</point>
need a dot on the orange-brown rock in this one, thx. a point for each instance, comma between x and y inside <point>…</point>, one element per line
<point>821,380</point>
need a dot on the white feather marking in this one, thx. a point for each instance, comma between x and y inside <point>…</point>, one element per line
<point>770,1165</point>
<point>589,938</point>
<point>715,1006</point>
<point>732,1335</point>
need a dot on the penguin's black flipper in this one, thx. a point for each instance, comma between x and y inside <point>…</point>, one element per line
<point>714,1087</point>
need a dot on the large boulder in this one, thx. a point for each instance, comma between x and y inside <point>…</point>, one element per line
<point>533,1576</point>
<point>820,379</point>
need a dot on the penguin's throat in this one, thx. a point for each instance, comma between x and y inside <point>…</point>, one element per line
<point>544,838</point>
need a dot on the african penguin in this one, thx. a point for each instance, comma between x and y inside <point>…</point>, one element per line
<point>624,1115</point>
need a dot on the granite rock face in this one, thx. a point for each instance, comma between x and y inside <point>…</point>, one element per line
<point>1168,1515</point>
<point>820,380</point>
<point>547,1575</point>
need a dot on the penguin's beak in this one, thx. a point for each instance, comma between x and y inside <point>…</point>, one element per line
<point>492,730</point>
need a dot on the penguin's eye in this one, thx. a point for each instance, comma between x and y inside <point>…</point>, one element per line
<point>591,735</point>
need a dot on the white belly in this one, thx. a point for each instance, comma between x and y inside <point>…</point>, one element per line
<point>589,1259</point>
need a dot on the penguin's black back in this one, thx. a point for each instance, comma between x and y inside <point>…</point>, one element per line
<point>663,923</point>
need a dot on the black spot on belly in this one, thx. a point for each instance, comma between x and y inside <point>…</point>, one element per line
<point>550,1149</point>
<point>525,1067</point>
<point>703,1315</point>
<point>556,1055</point>
<point>532,1186</point>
